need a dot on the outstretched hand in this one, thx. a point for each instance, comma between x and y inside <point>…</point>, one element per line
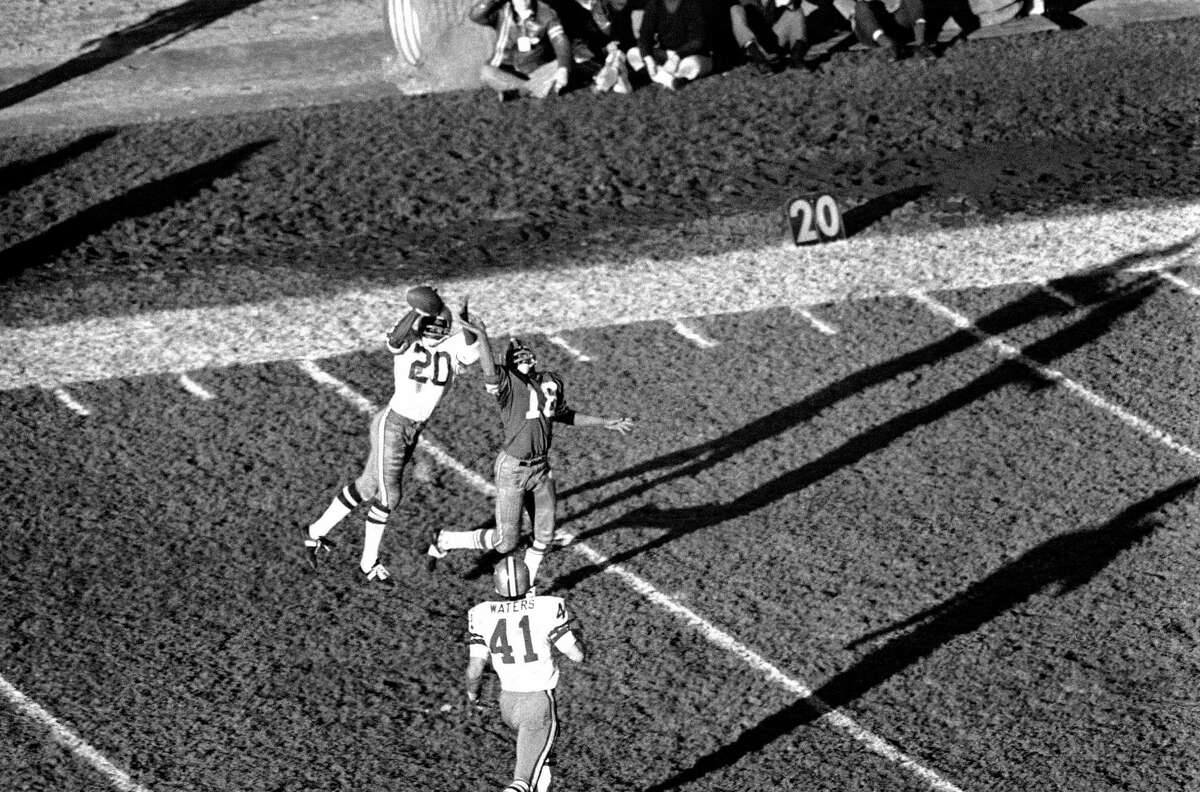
<point>469,322</point>
<point>620,425</point>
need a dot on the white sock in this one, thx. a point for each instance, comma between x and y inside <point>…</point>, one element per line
<point>466,540</point>
<point>533,560</point>
<point>372,537</point>
<point>335,512</point>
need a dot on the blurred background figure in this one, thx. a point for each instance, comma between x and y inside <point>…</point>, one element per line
<point>675,43</point>
<point>532,56</point>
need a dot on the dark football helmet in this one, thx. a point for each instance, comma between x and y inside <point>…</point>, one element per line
<point>434,329</point>
<point>510,576</point>
<point>519,356</point>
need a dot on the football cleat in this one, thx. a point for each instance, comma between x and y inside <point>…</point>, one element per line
<point>379,575</point>
<point>315,548</point>
<point>435,552</point>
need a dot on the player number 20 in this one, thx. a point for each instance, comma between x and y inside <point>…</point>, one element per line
<point>813,221</point>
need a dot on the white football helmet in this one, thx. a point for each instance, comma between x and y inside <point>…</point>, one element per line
<point>510,577</point>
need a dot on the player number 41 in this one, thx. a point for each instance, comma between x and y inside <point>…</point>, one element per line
<point>816,219</point>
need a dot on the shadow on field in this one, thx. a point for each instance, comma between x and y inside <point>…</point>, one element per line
<point>1068,562</point>
<point>1110,291</point>
<point>138,202</point>
<point>156,30</point>
<point>15,176</point>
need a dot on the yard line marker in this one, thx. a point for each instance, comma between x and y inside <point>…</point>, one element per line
<point>69,740</point>
<point>194,388</point>
<point>694,336</point>
<point>1057,377</point>
<point>70,402</point>
<point>363,404</point>
<point>1174,279</point>
<point>835,718</point>
<point>718,637</point>
<point>823,327</point>
<point>559,341</point>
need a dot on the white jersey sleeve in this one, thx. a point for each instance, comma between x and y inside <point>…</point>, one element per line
<point>423,373</point>
<point>518,636</point>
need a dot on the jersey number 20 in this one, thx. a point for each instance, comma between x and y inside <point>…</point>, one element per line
<point>499,644</point>
<point>438,361</point>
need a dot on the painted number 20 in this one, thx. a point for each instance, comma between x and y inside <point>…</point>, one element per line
<point>815,220</point>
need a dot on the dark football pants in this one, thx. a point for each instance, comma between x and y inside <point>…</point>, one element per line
<point>535,717</point>
<point>515,482</point>
<point>393,438</point>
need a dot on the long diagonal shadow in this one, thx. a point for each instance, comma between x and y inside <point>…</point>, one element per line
<point>1067,561</point>
<point>1092,287</point>
<point>140,201</point>
<point>160,28</point>
<point>15,176</point>
<point>687,520</point>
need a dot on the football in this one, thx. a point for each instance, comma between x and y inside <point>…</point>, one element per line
<point>425,300</point>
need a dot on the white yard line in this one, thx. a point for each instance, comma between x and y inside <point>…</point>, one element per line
<point>1175,280</point>
<point>565,345</point>
<point>1009,351</point>
<point>70,402</point>
<point>195,388</point>
<point>1066,299</point>
<point>69,740</point>
<point>609,287</point>
<point>833,718</point>
<point>822,326</point>
<point>693,335</point>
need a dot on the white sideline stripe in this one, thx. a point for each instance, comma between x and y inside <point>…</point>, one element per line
<point>694,336</point>
<point>559,341</point>
<point>1044,285</point>
<point>596,292</point>
<point>823,327</point>
<point>195,388</point>
<point>1172,278</point>
<point>1057,377</point>
<point>70,402</point>
<point>69,740</point>
<point>716,636</point>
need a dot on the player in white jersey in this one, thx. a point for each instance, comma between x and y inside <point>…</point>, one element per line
<point>520,635</point>
<point>427,354</point>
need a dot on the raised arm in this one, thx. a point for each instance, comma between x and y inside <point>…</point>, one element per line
<point>487,363</point>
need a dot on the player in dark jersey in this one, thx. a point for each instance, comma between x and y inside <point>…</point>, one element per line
<point>531,402</point>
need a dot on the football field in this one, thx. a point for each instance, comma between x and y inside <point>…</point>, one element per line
<point>914,510</point>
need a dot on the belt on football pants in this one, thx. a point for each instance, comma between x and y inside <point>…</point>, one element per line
<point>531,461</point>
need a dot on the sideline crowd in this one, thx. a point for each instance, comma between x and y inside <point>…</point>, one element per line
<point>546,47</point>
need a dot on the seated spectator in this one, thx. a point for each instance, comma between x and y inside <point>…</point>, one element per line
<point>532,55</point>
<point>674,43</point>
<point>750,22</point>
<point>890,23</point>
<point>602,34</point>
<point>790,26</point>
